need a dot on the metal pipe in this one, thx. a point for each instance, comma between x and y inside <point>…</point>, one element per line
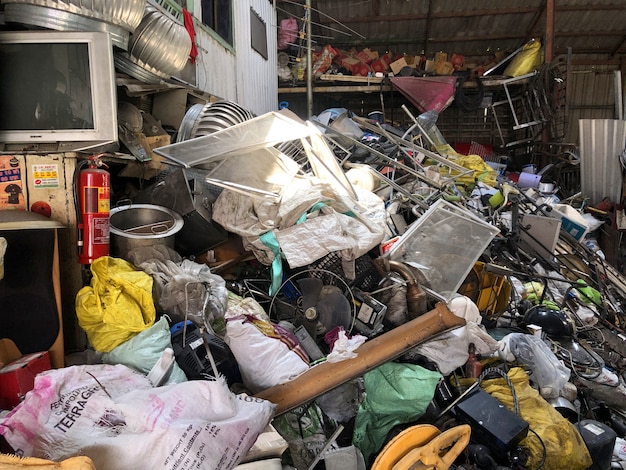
<point>309,63</point>
<point>549,46</point>
<point>415,295</point>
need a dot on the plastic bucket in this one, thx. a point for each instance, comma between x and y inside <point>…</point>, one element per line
<point>528,180</point>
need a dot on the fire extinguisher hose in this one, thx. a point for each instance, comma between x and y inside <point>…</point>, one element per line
<point>79,232</point>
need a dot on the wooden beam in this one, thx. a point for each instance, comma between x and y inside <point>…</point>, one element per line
<point>371,354</point>
<point>337,89</point>
<point>618,46</point>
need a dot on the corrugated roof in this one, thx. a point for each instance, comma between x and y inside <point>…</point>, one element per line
<point>474,28</point>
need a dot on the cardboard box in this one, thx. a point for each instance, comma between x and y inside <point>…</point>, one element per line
<point>352,64</point>
<point>441,57</point>
<point>443,68</point>
<point>397,65</point>
<point>18,377</point>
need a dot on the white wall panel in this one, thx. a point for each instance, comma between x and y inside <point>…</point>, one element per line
<point>601,142</point>
<point>257,83</point>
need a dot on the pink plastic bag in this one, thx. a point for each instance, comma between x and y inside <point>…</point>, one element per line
<point>287,33</point>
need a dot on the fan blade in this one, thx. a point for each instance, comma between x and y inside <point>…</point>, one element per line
<point>311,287</point>
<point>334,310</point>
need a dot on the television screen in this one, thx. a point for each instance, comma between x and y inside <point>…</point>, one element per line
<point>57,90</point>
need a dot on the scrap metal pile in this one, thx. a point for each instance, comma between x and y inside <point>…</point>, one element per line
<point>399,304</point>
<point>363,234</point>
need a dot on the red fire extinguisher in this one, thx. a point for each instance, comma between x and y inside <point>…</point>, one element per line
<point>92,199</point>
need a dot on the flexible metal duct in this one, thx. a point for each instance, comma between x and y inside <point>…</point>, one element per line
<point>157,49</point>
<point>117,17</point>
<point>213,117</point>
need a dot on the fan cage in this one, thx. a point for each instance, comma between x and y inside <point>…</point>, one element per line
<point>367,276</point>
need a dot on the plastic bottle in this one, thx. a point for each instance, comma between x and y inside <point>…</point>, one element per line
<point>473,367</point>
<point>161,369</point>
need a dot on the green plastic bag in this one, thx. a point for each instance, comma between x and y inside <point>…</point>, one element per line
<point>117,305</point>
<point>144,350</point>
<point>394,394</point>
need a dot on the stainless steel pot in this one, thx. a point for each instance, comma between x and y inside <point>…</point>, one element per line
<point>137,225</point>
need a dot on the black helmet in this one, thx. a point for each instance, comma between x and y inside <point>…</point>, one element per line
<point>553,322</point>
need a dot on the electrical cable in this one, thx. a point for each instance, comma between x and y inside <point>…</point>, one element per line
<point>501,373</point>
<point>543,446</point>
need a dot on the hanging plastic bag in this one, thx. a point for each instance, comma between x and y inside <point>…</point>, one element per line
<point>114,416</point>
<point>287,33</point>
<point>117,305</point>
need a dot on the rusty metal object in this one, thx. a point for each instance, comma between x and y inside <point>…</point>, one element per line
<point>415,295</point>
<point>384,348</point>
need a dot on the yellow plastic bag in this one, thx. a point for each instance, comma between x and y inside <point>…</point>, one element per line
<point>528,59</point>
<point>117,305</point>
<point>564,446</point>
<point>482,172</point>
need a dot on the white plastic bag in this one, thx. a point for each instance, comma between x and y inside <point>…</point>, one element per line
<point>188,290</point>
<point>548,372</point>
<point>264,357</point>
<point>114,416</point>
<point>450,350</point>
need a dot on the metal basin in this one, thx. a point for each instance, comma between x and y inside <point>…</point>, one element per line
<point>138,225</point>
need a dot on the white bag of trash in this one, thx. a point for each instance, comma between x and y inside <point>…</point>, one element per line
<point>112,414</point>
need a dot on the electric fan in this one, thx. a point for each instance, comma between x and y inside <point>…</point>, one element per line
<point>323,307</point>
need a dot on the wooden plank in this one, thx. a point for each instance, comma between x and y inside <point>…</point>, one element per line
<point>337,89</point>
<point>351,78</point>
<point>371,354</point>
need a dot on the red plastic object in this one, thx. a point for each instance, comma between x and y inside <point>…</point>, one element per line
<point>18,377</point>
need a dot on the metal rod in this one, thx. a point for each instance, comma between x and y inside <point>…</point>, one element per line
<point>309,64</point>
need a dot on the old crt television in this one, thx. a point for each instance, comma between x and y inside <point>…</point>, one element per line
<point>57,91</point>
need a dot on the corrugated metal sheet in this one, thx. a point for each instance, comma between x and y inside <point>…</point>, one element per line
<point>591,94</point>
<point>601,142</point>
<point>257,85</point>
<point>238,74</point>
